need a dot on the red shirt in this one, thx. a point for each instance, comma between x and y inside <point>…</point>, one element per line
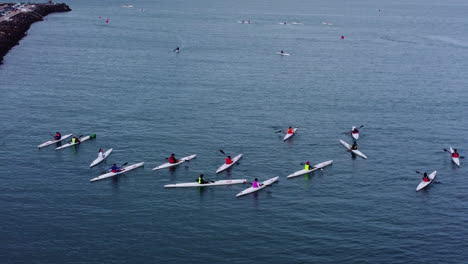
<point>228,161</point>
<point>455,155</point>
<point>290,131</point>
<point>172,160</point>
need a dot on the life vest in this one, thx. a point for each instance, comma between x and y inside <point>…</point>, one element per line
<point>426,179</point>
<point>455,155</point>
<point>254,184</point>
<point>355,131</point>
<point>228,161</point>
<point>200,180</point>
<point>307,167</point>
<point>73,140</point>
<point>354,147</point>
<point>172,160</point>
<point>58,136</point>
<point>290,131</point>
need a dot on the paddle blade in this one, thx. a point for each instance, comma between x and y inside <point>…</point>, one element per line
<point>124,164</point>
<point>222,152</point>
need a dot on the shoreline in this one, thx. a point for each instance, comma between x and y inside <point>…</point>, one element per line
<point>16,19</point>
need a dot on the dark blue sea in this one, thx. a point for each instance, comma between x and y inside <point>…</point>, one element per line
<point>399,70</point>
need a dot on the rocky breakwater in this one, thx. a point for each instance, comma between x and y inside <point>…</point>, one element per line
<point>15,20</point>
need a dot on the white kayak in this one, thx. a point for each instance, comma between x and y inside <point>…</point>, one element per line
<point>112,174</point>
<point>196,184</point>
<point>168,165</point>
<point>289,135</point>
<point>261,186</point>
<point>227,166</point>
<point>100,158</point>
<point>82,139</point>
<point>283,54</point>
<point>423,184</point>
<point>317,167</point>
<point>355,151</point>
<point>455,160</point>
<point>50,142</point>
<point>354,134</point>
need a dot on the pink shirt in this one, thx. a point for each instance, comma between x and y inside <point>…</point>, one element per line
<point>255,184</point>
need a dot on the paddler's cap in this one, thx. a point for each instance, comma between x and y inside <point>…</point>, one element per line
<point>201,175</point>
<point>307,162</point>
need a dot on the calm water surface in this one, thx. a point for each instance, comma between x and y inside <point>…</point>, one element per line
<point>400,71</point>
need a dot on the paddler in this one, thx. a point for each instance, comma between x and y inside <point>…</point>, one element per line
<point>282,52</point>
<point>172,159</point>
<point>201,180</point>
<point>455,154</point>
<point>355,131</point>
<point>355,145</point>
<point>75,140</point>
<point>307,166</point>
<point>426,178</point>
<point>115,168</point>
<point>177,49</point>
<point>290,129</point>
<point>228,160</point>
<point>100,154</point>
<point>255,183</point>
<point>57,136</point>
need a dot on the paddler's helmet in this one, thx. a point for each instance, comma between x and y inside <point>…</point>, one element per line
<point>308,162</point>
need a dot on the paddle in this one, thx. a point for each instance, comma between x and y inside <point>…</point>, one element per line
<point>431,180</point>
<point>222,152</point>
<point>461,157</point>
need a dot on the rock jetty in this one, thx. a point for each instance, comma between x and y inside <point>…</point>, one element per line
<point>15,20</point>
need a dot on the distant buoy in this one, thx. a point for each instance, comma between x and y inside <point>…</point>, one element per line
<point>342,37</point>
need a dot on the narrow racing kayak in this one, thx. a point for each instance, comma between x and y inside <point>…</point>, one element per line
<point>112,174</point>
<point>355,151</point>
<point>317,167</point>
<point>82,139</point>
<point>227,166</point>
<point>196,184</point>
<point>261,186</point>
<point>355,135</point>
<point>168,165</point>
<point>424,184</point>
<point>455,160</point>
<point>283,54</point>
<point>289,135</point>
<point>50,142</point>
<point>100,158</point>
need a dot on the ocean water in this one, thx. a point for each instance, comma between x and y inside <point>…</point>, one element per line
<point>400,71</point>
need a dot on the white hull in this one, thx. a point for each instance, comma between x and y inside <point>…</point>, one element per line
<point>82,139</point>
<point>355,151</point>
<point>227,166</point>
<point>455,160</point>
<point>424,184</point>
<point>99,159</point>
<point>283,54</point>
<point>252,190</point>
<point>112,174</point>
<point>196,184</point>
<point>287,136</point>
<point>317,167</point>
<point>168,165</point>
<point>354,135</point>
<point>50,142</point>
